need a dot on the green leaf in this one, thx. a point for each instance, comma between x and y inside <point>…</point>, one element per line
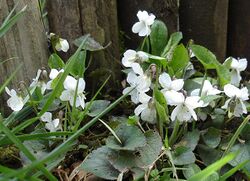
<point>98,164</point>
<point>130,136</point>
<point>55,62</point>
<point>179,60</point>
<point>161,105</point>
<point>150,152</point>
<point>212,168</point>
<point>190,140</point>
<point>212,137</point>
<point>173,41</point>
<point>158,37</point>
<point>243,155</point>
<point>207,58</point>
<point>97,107</point>
<point>78,67</point>
<point>191,170</point>
<point>91,43</point>
<point>185,158</point>
<point>223,74</point>
<point>208,155</point>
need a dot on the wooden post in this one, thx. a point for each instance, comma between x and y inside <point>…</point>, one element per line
<point>25,43</point>
<point>206,23</point>
<point>98,18</point>
<point>238,29</point>
<point>165,10</point>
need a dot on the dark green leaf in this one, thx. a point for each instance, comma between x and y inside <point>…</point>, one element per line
<point>149,152</point>
<point>208,155</point>
<point>97,107</point>
<point>192,169</point>
<point>158,37</point>
<point>98,164</point>
<point>55,62</point>
<point>190,140</point>
<point>223,74</point>
<point>91,43</point>
<point>184,158</point>
<point>212,137</point>
<point>131,137</point>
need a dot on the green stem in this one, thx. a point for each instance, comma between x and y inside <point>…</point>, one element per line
<point>173,136</point>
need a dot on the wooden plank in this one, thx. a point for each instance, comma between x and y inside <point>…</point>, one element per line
<point>73,18</point>
<point>25,43</point>
<point>206,23</point>
<point>165,10</point>
<point>239,29</point>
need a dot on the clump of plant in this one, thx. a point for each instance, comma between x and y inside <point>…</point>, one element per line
<point>192,109</point>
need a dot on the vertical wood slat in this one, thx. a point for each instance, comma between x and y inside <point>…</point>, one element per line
<point>26,41</point>
<point>165,10</point>
<point>73,18</point>
<point>206,23</point>
<point>239,29</point>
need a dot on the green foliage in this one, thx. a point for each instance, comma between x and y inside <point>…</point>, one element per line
<point>111,160</point>
<point>55,62</point>
<point>179,60</point>
<point>158,37</point>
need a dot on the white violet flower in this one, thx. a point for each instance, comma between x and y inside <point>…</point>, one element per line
<point>207,90</point>
<point>53,74</point>
<point>131,57</point>
<point>139,83</point>
<point>15,102</point>
<point>39,83</point>
<point>146,109</point>
<point>61,44</point>
<point>169,85</point>
<point>235,103</point>
<point>143,26</point>
<point>68,94</point>
<point>51,125</point>
<point>184,109</point>
<point>237,66</point>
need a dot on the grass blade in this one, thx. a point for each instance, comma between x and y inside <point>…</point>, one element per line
<point>236,135</point>
<point>11,21</point>
<point>233,170</point>
<point>63,147</point>
<point>19,144</point>
<point>213,167</point>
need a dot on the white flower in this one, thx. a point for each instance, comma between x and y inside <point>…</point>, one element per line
<point>39,83</point>
<point>169,85</point>
<point>68,94</point>
<point>237,66</point>
<point>146,109</point>
<point>207,90</point>
<point>51,125</point>
<point>184,109</point>
<point>139,83</point>
<point>62,45</point>
<point>130,57</point>
<point>235,103</point>
<point>15,102</point>
<point>53,74</point>
<point>145,21</point>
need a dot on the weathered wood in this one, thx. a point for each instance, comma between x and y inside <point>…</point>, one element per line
<point>25,43</point>
<point>206,23</point>
<point>73,18</point>
<point>238,29</point>
<point>165,10</point>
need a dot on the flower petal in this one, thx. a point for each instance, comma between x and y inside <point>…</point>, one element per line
<point>137,27</point>
<point>177,84</point>
<point>46,117</point>
<point>231,90</point>
<point>165,81</point>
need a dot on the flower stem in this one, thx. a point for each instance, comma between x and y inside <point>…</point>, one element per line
<point>174,134</point>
